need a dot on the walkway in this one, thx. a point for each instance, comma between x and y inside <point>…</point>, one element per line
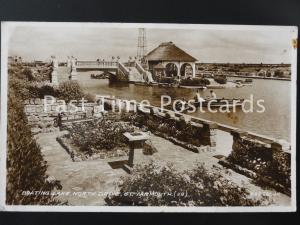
<point>98,176</point>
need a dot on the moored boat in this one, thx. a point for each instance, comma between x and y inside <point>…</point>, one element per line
<point>192,87</point>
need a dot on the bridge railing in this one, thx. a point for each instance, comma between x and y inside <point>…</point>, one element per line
<point>139,68</point>
<point>123,69</point>
<point>100,64</point>
<point>146,74</point>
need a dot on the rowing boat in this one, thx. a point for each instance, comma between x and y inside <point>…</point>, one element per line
<point>220,102</point>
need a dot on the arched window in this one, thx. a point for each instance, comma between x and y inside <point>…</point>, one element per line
<point>171,70</point>
<point>186,69</point>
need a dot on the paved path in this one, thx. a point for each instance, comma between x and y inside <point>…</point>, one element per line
<point>88,176</point>
<point>99,176</point>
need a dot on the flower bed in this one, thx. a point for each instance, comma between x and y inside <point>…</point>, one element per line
<point>97,139</point>
<point>177,131</point>
<point>77,155</point>
<point>268,164</point>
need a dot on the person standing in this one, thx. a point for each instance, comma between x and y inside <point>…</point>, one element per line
<point>213,95</point>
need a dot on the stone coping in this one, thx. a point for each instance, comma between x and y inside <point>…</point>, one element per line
<point>285,146</point>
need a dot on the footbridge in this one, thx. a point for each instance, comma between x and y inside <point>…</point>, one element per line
<point>132,71</point>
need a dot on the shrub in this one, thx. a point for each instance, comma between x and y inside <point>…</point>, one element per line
<point>25,88</point>
<point>70,90</point>
<point>39,90</point>
<point>264,161</point>
<point>154,185</point>
<point>221,79</point>
<point>20,87</point>
<point>28,74</point>
<point>26,168</point>
<point>94,136</point>
<point>173,128</point>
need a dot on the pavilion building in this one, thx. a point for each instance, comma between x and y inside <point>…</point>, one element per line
<point>170,61</point>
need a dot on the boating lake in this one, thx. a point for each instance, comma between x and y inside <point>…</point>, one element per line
<point>274,122</point>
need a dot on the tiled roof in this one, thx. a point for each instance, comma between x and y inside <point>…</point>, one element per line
<point>168,51</point>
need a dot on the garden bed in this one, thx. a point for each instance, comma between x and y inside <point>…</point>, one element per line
<point>96,139</point>
<point>77,155</point>
<point>266,181</point>
<point>99,139</point>
<point>177,131</point>
<point>272,167</point>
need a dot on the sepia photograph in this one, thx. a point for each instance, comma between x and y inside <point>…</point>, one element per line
<point>142,117</point>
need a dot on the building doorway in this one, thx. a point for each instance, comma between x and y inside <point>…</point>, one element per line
<point>171,70</point>
<point>186,70</point>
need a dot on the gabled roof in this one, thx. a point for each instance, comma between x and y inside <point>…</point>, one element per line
<point>168,51</point>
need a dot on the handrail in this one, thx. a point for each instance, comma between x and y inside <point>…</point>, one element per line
<point>140,68</point>
<point>97,63</point>
<point>144,72</point>
<point>123,69</point>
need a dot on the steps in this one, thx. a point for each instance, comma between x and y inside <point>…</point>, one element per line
<point>134,75</point>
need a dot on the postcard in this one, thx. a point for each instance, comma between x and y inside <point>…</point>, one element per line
<point>128,117</point>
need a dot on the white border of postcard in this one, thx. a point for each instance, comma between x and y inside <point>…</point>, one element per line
<point>6,30</point>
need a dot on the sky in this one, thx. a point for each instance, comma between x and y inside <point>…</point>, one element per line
<point>39,42</point>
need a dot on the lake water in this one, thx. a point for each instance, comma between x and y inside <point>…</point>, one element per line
<point>274,122</point>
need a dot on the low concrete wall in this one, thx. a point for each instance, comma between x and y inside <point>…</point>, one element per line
<point>270,160</point>
<point>206,130</point>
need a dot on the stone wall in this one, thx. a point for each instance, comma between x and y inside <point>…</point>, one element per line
<point>119,77</point>
<point>38,119</point>
<point>269,160</point>
<point>42,120</point>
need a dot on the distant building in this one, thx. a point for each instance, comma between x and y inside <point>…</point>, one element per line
<point>171,61</point>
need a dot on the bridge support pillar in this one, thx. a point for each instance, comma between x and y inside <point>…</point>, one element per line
<point>69,63</point>
<point>54,79</point>
<point>73,75</point>
<point>54,74</point>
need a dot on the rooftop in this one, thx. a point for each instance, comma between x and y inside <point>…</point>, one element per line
<point>168,51</point>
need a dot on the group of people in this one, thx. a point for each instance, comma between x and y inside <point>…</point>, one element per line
<point>198,98</point>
